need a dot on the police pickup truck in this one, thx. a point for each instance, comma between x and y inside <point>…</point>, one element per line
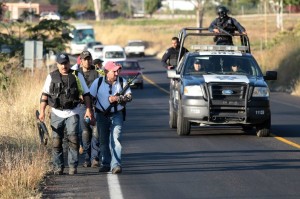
<point>218,94</point>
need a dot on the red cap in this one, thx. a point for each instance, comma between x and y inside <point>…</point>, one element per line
<point>78,59</point>
<point>112,66</point>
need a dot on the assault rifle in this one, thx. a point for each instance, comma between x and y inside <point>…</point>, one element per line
<point>222,30</point>
<point>107,111</point>
<point>43,131</point>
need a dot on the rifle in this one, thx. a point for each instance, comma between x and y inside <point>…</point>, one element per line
<point>222,30</point>
<point>43,131</point>
<point>121,93</point>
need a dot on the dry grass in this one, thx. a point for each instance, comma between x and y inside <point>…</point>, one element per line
<point>23,162</point>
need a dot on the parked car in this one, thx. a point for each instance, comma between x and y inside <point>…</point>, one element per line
<point>131,68</point>
<point>135,48</point>
<point>97,51</point>
<point>49,16</point>
<point>113,53</point>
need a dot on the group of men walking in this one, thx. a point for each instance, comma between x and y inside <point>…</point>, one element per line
<point>79,98</point>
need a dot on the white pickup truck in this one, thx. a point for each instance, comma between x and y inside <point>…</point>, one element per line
<point>135,47</point>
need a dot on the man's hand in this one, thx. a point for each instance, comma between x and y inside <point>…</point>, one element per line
<point>216,30</point>
<point>170,67</point>
<point>89,114</point>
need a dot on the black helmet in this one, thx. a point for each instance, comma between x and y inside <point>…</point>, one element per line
<point>222,11</point>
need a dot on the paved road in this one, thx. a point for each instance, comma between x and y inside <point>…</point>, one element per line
<point>210,163</point>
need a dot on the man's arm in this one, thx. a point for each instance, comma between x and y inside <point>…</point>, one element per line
<point>165,58</point>
<point>239,27</point>
<point>212,26</point>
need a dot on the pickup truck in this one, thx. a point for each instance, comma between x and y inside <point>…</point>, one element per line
<point>135,48</point>
<point>216,94</point>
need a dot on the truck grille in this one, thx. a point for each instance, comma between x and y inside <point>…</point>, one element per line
<point>227,101</point>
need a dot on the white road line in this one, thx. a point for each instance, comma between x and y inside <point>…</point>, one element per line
<point>114,187</point>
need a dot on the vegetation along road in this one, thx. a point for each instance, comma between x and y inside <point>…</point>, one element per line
<point>210,163</point>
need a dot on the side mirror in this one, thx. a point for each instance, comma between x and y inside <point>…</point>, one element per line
<point>271,75</point>
<point>172,74</point>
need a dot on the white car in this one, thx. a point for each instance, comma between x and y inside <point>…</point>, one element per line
<point>135,47</point>
<point>49,16</point>
<point>96,51</point>
<point>113,53</point>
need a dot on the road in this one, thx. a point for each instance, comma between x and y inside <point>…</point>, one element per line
<point>210,163</point>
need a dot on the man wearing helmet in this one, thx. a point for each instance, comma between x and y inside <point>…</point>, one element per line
<point>225,25</point>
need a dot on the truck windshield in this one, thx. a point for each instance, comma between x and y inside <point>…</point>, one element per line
<point>221,64</point>
<point>83,36</point>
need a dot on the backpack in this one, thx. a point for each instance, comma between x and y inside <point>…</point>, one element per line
<point>98,86</point>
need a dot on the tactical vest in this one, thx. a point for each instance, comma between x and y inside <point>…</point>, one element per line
<point>63,92</point>
<point>174,57</point>
<point>226,24</point>
<point>89,76</point>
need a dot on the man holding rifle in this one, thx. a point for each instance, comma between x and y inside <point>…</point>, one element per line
<point>111,94</point>
<point>225,25</point>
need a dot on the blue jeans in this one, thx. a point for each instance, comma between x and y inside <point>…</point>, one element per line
<point>95,145</point>
<point>87,138</point>
<point>58,125</point>
<point>110,129</point>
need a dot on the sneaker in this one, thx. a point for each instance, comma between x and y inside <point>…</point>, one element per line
<point>104,169</point>
<point>59,171</point>
<point>117,170</point>
<point>72,171</point>
<point>95,163</point>
<point>81,149</point>
<point>86,164</point>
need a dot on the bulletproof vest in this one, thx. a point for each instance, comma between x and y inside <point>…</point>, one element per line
<point>174,57</point>
<point>89,76</point>
<point>63,91</point>
<point>227,24</point>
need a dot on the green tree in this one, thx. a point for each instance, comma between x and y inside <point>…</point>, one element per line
<point>291,2</point>
<point>53,33</point>
<point>151,6</point>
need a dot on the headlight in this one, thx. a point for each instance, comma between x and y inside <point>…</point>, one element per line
<point>261,92</point>
<point>193,91</point>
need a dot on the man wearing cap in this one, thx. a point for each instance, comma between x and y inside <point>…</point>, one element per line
<point>61,91</point>
<point>89,133</point>
<point>98,65</point>
<point>197,65</point>
<point>110,126</point>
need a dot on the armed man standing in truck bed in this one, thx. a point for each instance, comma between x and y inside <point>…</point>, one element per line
<point>225,25</point>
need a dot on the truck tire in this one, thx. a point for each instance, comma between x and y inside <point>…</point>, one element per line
<point>263,130</point>
<point>183,125</point>
<point>172,116</point>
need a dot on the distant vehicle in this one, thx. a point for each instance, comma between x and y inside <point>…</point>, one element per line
<point>49,16</point>
<point>81,34</point>
<point>135,47</point>
<point>130,68</point>
<point>89,45</point>
<point>96,51</point>
<point>113,53</point>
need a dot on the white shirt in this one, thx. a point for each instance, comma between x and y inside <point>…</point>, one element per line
<point>103,92</point>
<point>66,112</point>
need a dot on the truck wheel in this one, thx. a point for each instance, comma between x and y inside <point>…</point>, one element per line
<point>263,130</point>
<point>172,116</point>
<point>183,125</point>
